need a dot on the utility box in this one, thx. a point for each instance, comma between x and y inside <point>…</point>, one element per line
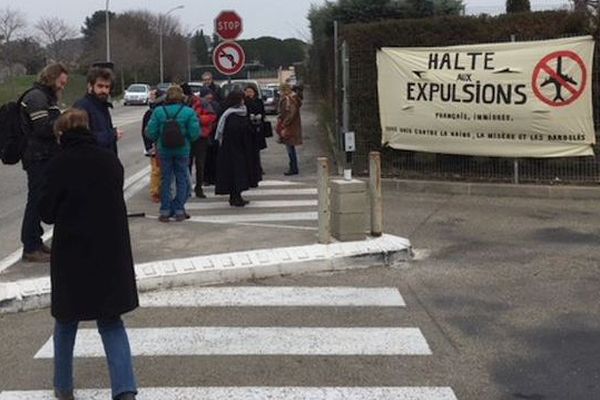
<point>349,209</point>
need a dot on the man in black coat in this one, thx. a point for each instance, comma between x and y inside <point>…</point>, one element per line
<point>39,111</point>
<point>97,106</point>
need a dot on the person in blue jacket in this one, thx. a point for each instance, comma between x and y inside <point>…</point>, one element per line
<point>174,160</point>
<point>97,106</point>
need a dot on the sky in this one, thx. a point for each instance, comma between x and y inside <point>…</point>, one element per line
<point>278,18</point>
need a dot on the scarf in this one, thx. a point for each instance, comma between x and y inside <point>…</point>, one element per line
<point>242,111</point>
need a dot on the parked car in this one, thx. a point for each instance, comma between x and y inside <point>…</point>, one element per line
<point>195,86</point>
<point>271,99</point>
<point>164,86</point>
<point>238,84</point>
<point>137,93</point>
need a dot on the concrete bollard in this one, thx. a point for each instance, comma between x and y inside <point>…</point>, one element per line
<point>375,193</point>
<point>323,190</point>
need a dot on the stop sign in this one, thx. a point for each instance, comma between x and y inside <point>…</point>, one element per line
<point>228,25</point>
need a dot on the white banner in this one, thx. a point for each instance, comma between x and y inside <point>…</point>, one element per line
<point>519,99</point>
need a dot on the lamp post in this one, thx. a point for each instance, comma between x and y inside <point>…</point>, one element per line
<point>107,16</point>
<point>189,50</point>
<point>160,31</point>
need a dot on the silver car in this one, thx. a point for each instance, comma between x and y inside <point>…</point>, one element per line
<point>138,93</point>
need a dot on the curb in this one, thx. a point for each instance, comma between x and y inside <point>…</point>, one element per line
<point>495,190</point>
<point>387,250</point>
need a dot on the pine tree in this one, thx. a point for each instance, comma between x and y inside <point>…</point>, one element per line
<point>516,6</point>
<point>200,48</point>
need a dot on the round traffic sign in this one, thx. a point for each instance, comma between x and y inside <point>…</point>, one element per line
<point>229,58</point>
<point>560,78</point>
<point>228,25</point>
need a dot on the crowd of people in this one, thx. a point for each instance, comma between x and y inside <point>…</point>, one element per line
<point>220,139</point>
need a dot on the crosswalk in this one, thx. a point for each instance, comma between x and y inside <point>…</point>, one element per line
<point>283,342</point>
<point>288,203</point>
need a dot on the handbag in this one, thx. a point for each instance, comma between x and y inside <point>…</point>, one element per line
<point>268,129</point>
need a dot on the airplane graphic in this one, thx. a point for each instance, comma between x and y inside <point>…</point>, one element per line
<point>558,85</point>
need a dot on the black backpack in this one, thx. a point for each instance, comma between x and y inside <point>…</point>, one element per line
<point>172,136</point>
<point>12,138</point>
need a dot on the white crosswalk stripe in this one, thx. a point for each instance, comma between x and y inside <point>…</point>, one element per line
<point>275,201</point>
<point>257,393</point>
<point>261,341</point>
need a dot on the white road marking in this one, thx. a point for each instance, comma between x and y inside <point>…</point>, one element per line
<point>274,192</point>
<point>271,217</point>
<point>256,393</point>
<point>205,341</point>
<point>269,183</point>
<point>243,296</point>
<point>253,204</point>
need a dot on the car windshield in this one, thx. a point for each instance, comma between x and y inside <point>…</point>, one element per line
<point>268,92</point>
<point>136,88</point>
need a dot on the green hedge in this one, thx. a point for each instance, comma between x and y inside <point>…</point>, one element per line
<point>364,40</point>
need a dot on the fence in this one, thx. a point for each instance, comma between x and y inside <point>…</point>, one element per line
<point>363,113</point>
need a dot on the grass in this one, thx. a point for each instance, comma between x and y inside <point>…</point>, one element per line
<point>12,89</point>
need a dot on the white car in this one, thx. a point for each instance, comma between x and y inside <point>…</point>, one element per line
<point>137,93</point>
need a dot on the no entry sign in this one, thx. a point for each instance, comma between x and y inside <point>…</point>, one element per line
<point>229,58</point>
<point>228,25</point>
<point>560,78</point>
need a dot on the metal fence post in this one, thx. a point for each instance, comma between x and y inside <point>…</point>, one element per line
<point>346,108</point>
<point>336,84</point>
<point>375,193</point>
<point>513,38</point>
<point>323,189</point>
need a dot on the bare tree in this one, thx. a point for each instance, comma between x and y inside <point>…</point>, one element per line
<point>12,23</point>
<point>54,32</point>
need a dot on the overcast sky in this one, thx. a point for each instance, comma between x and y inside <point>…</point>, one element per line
<point>279,18</point>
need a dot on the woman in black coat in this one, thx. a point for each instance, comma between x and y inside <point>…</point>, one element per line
<point>236,158</point>
<point>256,114</point>
<point>91,267</point>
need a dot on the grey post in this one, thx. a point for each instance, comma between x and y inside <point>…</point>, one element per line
<point>375,196</point>
<point>513,38</point>
<point>324,212</point>
<point>107,26</point>
<point>336,86</point>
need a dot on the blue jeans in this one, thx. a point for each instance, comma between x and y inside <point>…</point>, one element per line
<point>116,347</point>
<point>178,166</point>
<point>293,158</point>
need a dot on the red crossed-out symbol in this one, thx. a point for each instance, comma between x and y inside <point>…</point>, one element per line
<point>556,78</point>
<point>229,58</point>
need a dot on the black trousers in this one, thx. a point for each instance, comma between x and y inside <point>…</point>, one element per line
<point>31,229</point>
<point>198,158</point>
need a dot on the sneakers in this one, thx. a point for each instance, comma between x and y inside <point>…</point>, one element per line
<point>164,218</point>
<point>181,217</point>
<point>64,395</point>
<point>38,256</point>
<point>290,173</point>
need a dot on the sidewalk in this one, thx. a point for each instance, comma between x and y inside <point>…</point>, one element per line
<point>275,234</point>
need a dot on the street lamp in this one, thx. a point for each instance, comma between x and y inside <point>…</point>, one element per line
<point>160,31</point>
<point>107,16</point>
<point>189,50</point>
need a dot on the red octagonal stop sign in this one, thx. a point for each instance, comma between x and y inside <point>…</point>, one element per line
<point>228,25</point>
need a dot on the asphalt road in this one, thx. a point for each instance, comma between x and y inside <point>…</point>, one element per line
<point>13,180</point>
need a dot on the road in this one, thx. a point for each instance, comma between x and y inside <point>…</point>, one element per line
<point>13,180</point>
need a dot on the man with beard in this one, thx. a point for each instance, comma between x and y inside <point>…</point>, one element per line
<point>100,79</point>
<point>39,111</point>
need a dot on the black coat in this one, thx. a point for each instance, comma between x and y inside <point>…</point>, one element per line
<point>101,123</point>
<point>236,157</point>
<point>91,265</point>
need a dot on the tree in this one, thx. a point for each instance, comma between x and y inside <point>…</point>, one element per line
<point>12,23</point>
<point>200,48</point>
<point>516,6</point>
<point>55,32</point>
<point>27,51</point>
<point>96,21</point>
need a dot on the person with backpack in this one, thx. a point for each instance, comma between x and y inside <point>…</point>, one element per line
<point>39,111</point>
<point>174,126</point>
<point>96,104</point>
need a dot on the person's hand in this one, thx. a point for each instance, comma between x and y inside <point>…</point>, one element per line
<point>120,134</point>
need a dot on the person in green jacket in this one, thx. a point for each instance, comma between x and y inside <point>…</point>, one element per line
<point>174,150</point>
